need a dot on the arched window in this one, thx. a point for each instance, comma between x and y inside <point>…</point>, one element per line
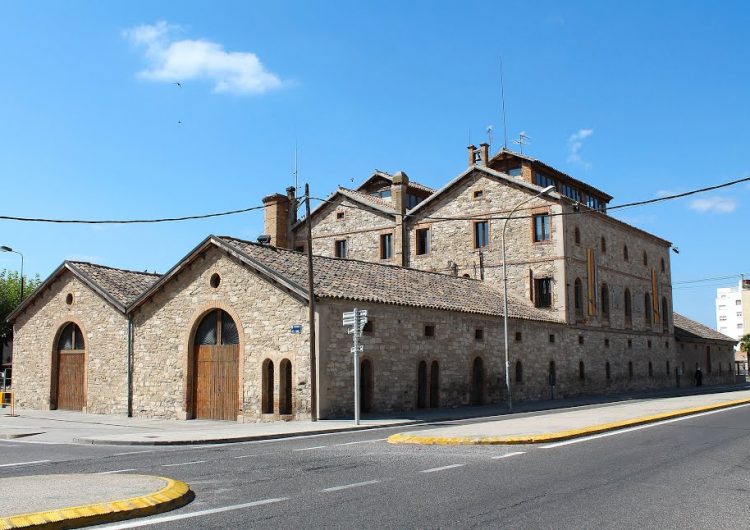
<point>216,328</point>
<point>607,371</point>
<point>650,369</point>
<point>70,364</point>
<point>267,400</point>
<point>519,372</point>
<point>708,359</point>
<point>285,387</point>
<point>663,265</point>
<point>664,315</point>
<point>577,235</point>
<point>71,338</point>
<point>647,309</point>
<point>422,385</point>
<point>630,369</point>
<point>434,384</point>
<point>605,301</point>
<point>625,253</point>
<point>477,381</point>
<point>628,309</point>
<point>581,371</point>
<point>578,297</point>
<point>604,245</point>
<point>645,259</point>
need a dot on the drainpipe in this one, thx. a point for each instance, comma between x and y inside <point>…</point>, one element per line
<point>130,366</point>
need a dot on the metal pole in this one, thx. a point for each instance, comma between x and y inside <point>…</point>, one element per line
<point>505,295</point>
<point>311,311</point>
<point>356,366</point>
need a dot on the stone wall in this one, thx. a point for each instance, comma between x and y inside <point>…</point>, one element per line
<point>397,344</point>
<point>716,360</point>
<point>104,328</point>
<point>264,315</point>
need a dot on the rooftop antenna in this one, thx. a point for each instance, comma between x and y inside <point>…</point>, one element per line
<point>502,95</point>
<point>296,173</point>
<point>522,140</point>
<point>489,135</point>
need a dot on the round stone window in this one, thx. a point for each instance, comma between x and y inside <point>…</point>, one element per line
<point>69,299</point>
<point>215,280</point>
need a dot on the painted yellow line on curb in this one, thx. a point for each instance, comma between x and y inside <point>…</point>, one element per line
<point>175,494</point>
<point>402,438</point>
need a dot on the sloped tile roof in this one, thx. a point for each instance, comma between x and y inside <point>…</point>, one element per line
<point>122,285</point>
<point>366,197</point>
<point>373,282</point>
<point>387,176</point>
<point>690,329</point>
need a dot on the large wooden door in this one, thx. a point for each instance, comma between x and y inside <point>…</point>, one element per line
<point>216,353</point>
<point>216,389</point>
<point>71,368</point>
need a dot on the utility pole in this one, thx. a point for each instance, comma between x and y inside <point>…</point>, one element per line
<point>357,320</point>
<point>311,310</point>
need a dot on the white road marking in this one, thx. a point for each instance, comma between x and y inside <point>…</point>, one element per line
<point>132,453</point>
<point>636,428</point>
<point>115,471</point>
<point>26,463</point>
<point>311,448</point>
<point>434,469</point>
<point>189,515</point>
<point>509,455</point>
<point>347,486</point>
<point>184,463</point>
<point>256,454</point>
<point>363,442</point>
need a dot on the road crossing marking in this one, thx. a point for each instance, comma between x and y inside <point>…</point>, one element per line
<point>434,469</point>
<point>509,455</point>
<point>184,463</point>
<point>347,486</point>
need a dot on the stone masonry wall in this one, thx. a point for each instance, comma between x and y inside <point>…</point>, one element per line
<point>104,328</point>
<point>693,353</point>
<point>264,315</point>
<point>397,344</point>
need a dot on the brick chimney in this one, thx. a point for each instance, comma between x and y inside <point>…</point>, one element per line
<point>484,151</point>
<point>399,187</point>
<point>472,148</point>
<point>276,219</point>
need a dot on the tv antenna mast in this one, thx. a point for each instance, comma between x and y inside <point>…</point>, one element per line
<point>523,139</point>
<point>489,135</point>
<point>502,95</point>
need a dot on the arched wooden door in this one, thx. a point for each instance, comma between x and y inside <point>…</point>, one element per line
<point>71,368</point>
<point>422,385</point>
<point>477,382</point>
<point>366,386</point>
<point>216,371</point>
<point>285,387</point>
<point>434,384</point>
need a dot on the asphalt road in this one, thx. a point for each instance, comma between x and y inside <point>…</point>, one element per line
<point>691,473</point>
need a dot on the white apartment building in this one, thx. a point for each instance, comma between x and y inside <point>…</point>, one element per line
<point>733,309</point>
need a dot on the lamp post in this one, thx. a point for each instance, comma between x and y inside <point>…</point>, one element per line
<point>8,249</point>
<point>545,191</point>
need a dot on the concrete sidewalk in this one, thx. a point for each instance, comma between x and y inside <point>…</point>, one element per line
<point>572,423</point>
<point>82,500</point>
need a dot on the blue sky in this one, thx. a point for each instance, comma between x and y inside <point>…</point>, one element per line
<point>637,99</point>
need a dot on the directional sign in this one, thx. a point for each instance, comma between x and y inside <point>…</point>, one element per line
<point>296,329</point>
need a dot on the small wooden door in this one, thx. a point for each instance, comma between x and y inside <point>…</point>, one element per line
<point>71,368</point>
<point>422,385</point>
<point>216,368</point>
<point>434,385</point>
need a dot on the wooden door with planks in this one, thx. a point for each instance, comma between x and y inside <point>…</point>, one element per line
<point>71,369</point>
<point>216,368</point>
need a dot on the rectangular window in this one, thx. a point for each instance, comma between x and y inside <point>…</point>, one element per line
<point>571,192</point>
<point>429,330</point>
<point>541,227</point>
<point>543,292</point>
<point>479,194</point>
<point>738,302</point>
<point>386,246</point>
<point>542,180</point>
<point>339,215</point>
<point>481,234</point>
<point>479,334</point>
<point>515,171</point>
<point>722,318</point>
<point>518,336</point>
<point>412,201</point>
<point>423,241</point>
<point>341,248</point>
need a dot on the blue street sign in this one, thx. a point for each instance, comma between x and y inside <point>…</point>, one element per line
<point>297,328</point>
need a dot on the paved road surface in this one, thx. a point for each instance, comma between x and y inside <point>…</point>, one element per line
<point>691,473</point>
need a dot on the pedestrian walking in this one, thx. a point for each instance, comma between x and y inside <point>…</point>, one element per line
<point>698,376</point>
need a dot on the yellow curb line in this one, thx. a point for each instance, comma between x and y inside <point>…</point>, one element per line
<point>402,438</point>
<point>175,494</point>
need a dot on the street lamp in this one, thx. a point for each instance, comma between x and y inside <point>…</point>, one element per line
<point>8,249</point>
<point>545,191</point>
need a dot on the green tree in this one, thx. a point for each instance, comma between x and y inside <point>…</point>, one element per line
<point>745,343</point>
<point>10,298</point>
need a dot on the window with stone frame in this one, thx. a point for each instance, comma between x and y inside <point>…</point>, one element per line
<point>340,248</point>
<point>481,234</point>
<point>541,227</point>
<point>423,241</point>
<point>543,292</point>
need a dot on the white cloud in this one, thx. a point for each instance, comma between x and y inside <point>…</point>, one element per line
<point>714,204</point>
<point>575,143</point>
<point>172,60</point>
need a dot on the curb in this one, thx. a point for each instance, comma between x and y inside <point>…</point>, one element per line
<point>237,439</point>
<point>174,495</point>
<point>556,436</point>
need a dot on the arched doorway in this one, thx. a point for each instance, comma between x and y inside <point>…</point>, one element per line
<point>71,368</point>
<point>477,381</point>
<point>285,387</point>
<point>434,385</point>
<point>365,386</point>
<point>267,385</point>
<point>422,385</point>
<point>216,356</point>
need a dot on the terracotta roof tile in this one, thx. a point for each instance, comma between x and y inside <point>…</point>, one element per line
<point>122,285</point>
<point>366,197</point>
<point>373,282</point>
<point>686,328</point>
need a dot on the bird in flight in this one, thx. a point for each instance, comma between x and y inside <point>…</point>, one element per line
<point>178,84</point>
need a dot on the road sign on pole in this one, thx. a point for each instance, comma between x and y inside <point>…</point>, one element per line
<point>356,320</point>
